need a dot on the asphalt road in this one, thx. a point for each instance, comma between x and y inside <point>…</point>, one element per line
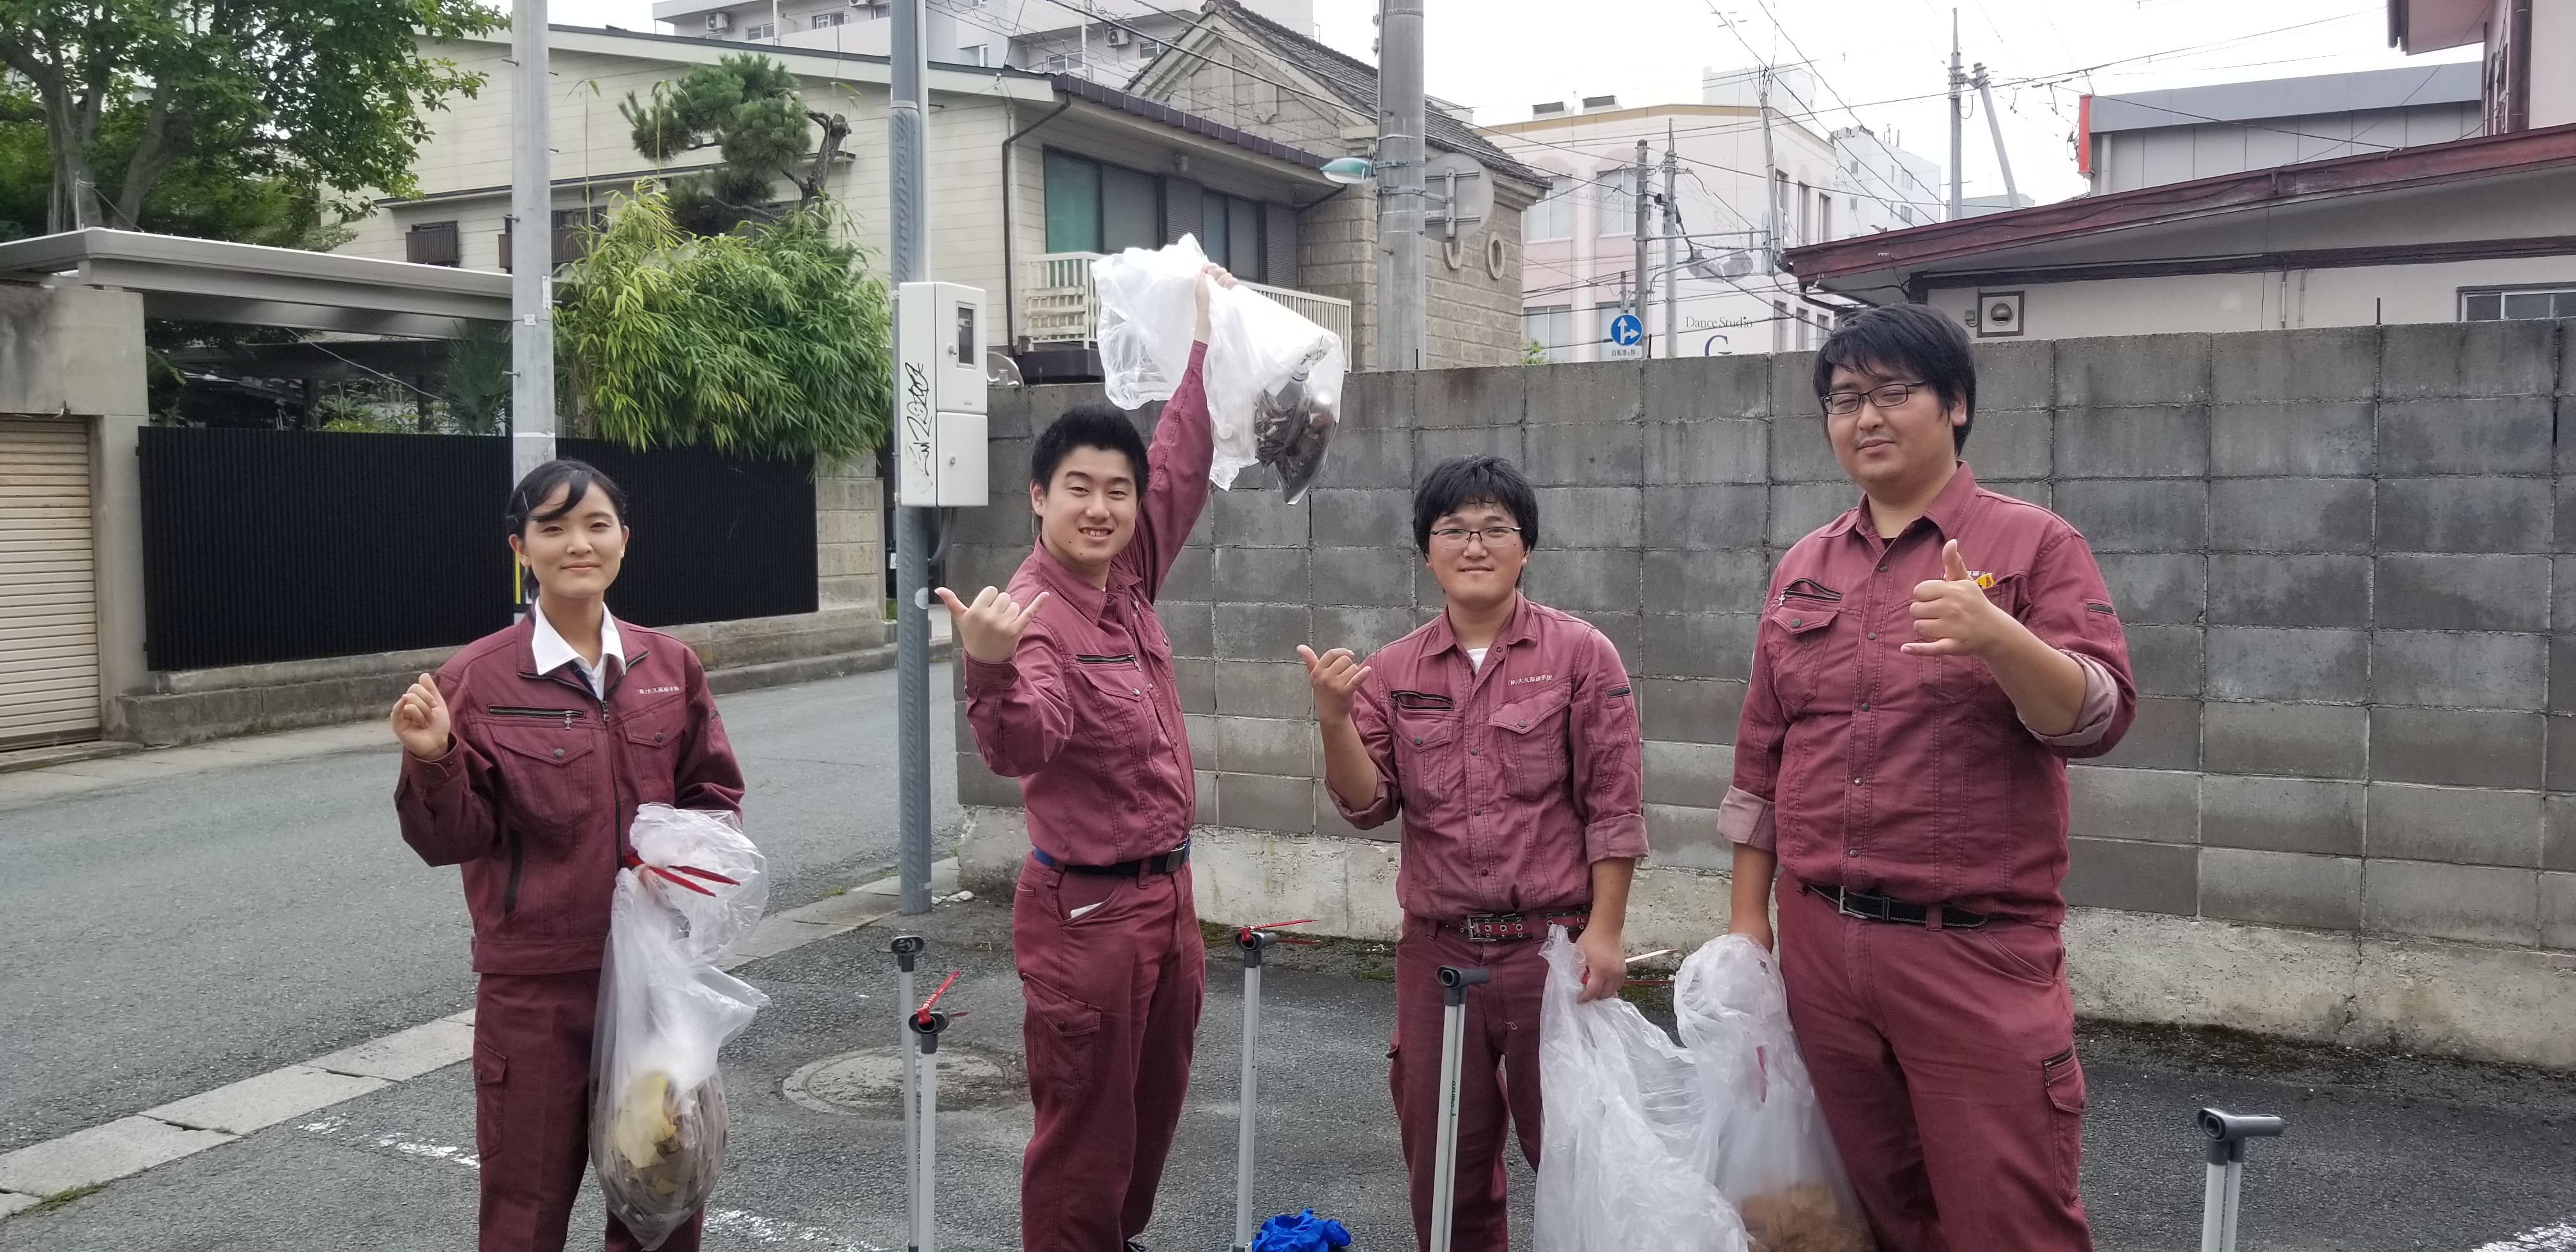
<point>2385,1154</point>
<point>171,934</point>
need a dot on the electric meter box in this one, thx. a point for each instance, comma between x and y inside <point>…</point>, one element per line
<point>939,386</point>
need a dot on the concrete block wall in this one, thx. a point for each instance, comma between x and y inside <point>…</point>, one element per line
<point>849,536</point>
<point>2346,560</point>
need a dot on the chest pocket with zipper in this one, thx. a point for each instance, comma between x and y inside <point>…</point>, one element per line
<point>1796,633</point>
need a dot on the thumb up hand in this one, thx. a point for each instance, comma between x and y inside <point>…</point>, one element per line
<point>1952,616</point>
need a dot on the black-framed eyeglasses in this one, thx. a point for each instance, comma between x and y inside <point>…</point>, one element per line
<point>1494,536</point>
<point>1888,396</point>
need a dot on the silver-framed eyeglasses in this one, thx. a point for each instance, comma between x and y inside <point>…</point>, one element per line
<point>1887,396</point>
<point>1494,536</point>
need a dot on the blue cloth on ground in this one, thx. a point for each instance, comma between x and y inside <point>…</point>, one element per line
<point>1303,1233</point>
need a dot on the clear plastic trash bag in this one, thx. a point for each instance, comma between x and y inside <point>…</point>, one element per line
<point>1274,379</point>
<point>1767,1149</point>
<point>657,1121</point>
<point>1624,1121</point>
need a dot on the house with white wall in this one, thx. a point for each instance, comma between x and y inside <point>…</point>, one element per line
<point>1106,41</point>
<point>1580,240</point>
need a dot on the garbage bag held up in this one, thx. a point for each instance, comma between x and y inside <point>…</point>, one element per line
<point>1274,379</point>
<point>657,1122</point>
<point>1625,1117</point>
<point>1768,1149</point>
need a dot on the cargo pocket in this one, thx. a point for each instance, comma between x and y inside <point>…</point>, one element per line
<point>491,1075</point>
<point>1799,631</point>
<point>1061,1034</point>
<point>2063,1076</point>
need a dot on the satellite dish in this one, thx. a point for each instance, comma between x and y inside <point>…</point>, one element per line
<point>1475,205</point>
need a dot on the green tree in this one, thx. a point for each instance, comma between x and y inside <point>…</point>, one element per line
<point>322,98</point>
<point>773,343</point>
<point>747,108</point>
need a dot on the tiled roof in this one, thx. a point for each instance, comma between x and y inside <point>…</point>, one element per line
<point>1355,81</point>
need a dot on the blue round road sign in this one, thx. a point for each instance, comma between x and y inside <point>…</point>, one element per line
<point>1626,330</point>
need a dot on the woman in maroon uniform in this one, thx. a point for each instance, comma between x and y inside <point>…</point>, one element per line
<point>524,761</point>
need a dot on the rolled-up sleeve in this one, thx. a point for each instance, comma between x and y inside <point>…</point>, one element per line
<point>1744,816</point>
<point>1019,710</point>
<point>1368,712</point>
<point>2069,607</point>
<point>1609,754</point>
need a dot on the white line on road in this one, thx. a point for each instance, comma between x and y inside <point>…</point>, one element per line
<point>183,1128</point>
<point>2554,1237</point>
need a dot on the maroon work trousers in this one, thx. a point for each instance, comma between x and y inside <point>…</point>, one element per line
<point>1113,968</point>
<point>1497,1075</point>
<point>1945,1062</point>
<point>532,1111</point>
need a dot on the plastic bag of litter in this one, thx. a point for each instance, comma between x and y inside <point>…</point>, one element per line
<point>1624,1117</point>
<point>1274,379</point>
<point>657,1120</point>
<point>1767,1147</point>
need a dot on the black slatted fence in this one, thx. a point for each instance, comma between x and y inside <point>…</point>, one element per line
<point>263,545</point>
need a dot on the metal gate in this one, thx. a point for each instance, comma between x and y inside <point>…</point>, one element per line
<point>48,588</point>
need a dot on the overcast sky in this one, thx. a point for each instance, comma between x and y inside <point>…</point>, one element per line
<point>1886,59</point>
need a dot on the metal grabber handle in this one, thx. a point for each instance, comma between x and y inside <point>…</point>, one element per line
<point>2226,1134</point>
<point>1252,941</point>
<point>907,953</point>
<point>1454,982</point>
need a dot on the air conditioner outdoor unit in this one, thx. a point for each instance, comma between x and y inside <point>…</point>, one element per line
<point>1118,37</point>
<point>718,23</point>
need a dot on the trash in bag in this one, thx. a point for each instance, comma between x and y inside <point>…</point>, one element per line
<point>1624,1119</point>
<point>1304,1232</point>
<point>694,889</point>
<point>1768,1149</point>
<point>1274,379</point>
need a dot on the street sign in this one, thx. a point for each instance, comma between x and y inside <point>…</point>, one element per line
<point>1627,338</point>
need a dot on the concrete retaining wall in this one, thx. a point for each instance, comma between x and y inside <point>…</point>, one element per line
<point>2346,560</point>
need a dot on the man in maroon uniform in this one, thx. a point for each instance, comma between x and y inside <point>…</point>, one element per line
<point>1069,689</point>
<point>1926,664</point>
<point>1506,734</point>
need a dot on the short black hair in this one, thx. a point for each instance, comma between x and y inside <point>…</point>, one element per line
<point>1461,481</point>
<point>1092,424</point>
<point>576,477</point>
<point>1900,339</point>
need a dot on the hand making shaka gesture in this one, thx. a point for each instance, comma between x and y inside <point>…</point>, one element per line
<point>990,628</point>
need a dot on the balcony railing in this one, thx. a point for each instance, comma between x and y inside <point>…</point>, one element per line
<point>1059,306</point>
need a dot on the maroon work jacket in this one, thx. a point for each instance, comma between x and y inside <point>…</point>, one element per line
<point>536,793</point>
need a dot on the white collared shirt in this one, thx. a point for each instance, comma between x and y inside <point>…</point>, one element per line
<point>553,653</point>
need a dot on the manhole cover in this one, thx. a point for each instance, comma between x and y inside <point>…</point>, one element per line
<point>869,1082</point>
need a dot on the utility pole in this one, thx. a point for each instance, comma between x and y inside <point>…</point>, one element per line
<point>907,184</point>
<point>1957,80</point>
<point>1770,182</point>
<point>1995,127</point>
<point>1643,203</point>
<point>1672,245</point>
<point>532,246</point>
<point>1400,185</point>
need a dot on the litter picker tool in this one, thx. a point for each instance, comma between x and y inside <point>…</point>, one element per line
<point>2227,1133</point>
<point>907,953</point>
<point>1453,1043</point>
<point>1253,941</point>
<point>924,1026</point>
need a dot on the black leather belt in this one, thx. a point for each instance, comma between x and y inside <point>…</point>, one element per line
<point>1167,863</point>
<point>1506,927</point>
<point>1869,908</point>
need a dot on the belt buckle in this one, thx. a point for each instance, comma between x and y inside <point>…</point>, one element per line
<point>1484,928</point>
<point>1842,905</point>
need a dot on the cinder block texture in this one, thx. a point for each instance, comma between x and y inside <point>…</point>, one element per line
<point>2156,586</point>
<point>2154,806</point>
<point>2281,889</point>
<point>2011,444</point>
<point>2463,592</point>
<point>1710,450</point>
<point>1799,509</point>
<point>1706,581</point>
<point>2141,877</point>
<point>2248,663</point>
<point>2464,515</point>
<point>1714,387</point>
<point>2136,370</point>
<point>2308,740</point>
<point>2326,439</point>
<point>2500,435</point>
<point>1603,392</point>
<point>2457,825</point>
<point>2456,747</point>
<point>1695,774</point>
<point>2467,359</point>
<point>2018,374</point>
<point>2119,515</point>
<point>2289,590</point>
<point>1697,518</point>
<point>1591,517</point>
<point>2477,903</point>
<point>2290,514</point>
<point>2335,364</point>
<point>1691,710</point>
<point>2282,814</point>
<point>2161,442</point>
<point>2474,671</point>
<point>1376,518</point>
<point>2165,735</point>
<point>1589,455</point>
